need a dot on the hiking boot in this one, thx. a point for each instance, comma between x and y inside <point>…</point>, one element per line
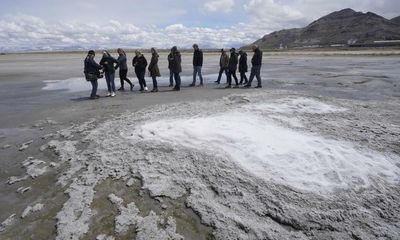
<point>200,85</point>
<point>192,85</point>
<point>154,90</point>
<point>247,86</point>
<point>121,89</point>
<point>171,85</point>
<point>217,82</point>
<point>228,86</point>
<point>258,87</point>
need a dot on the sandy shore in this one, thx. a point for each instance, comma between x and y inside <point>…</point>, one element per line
<point>78,152</point>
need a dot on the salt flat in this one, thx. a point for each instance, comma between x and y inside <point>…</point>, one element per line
<point>313,155</point>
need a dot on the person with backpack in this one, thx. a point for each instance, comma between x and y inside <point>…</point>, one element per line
<point>243,67</point>
<point>140,64</point>
<point>109,65</point>
<point>153,69</point>
<point>123,70</point>
<point>176,66</point>
<point>232,67</point>
<point>92,72</point>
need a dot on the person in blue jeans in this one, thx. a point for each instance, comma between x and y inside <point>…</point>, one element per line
<point>256,62</point>
<point>109,65</point>
<point>140,64</point>
<point>92,71</point>
<point>197,65</point>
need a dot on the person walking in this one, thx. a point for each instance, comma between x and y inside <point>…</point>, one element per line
<point>232,67</point>
<point>176,66</point>
<point>92,72</point>
<point>123,70</point>
<point>140,64</point>
<point>171,73</point>
<point>109,65</point>
<point>256,63</point>
<point>223,64</point>
<point>153,69</point>
<point>243,67</point>
<point>197,65</point>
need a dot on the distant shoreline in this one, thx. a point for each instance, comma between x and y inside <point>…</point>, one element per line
<point>292,51</point>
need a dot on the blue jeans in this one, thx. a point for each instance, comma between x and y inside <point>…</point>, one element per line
<point>197,71</point>
<point>171,78</point>
<point>94,88</point>
<point>110,81</point>
<point>142,80</point>
<point>222,70</point>
<point>177,81</point>
<point>255,72</point>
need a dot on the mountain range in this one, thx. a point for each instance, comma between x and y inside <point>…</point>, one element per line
<point>338,28</point>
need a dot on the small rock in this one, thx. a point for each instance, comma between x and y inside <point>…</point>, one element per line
<point>6,146</point>
<point>25,145</point>
<point>130,182</point>
<point>164,207</point>
<point>23,190</point>
<point>15,179</point>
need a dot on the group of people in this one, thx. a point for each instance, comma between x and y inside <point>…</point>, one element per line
<point>108,65</point>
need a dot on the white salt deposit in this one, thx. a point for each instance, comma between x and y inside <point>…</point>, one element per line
<point>292,105</point>
<point>80,84</point>
<point>31,209</point>
<point>275,153</point>
<point>35,167</point>
<point>8,222</point>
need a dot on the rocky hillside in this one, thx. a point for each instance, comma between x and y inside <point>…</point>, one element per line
<point>396,20</point>
<point>341,27</point>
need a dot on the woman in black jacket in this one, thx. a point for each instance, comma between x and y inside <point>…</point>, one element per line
<point>140,64</point>
<point>109,65</point>
<point>243,67</point>
<point>123,70</point>
<point>92,72</point>
<point>153,69</point>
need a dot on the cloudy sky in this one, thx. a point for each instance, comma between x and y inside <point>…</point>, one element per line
<point>56,24</point>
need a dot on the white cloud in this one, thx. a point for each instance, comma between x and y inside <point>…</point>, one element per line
<point>21,32</point>
<point>219,5</point>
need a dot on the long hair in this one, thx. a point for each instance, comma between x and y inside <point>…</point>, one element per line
<point>154,51</point>
<point>122,51</point>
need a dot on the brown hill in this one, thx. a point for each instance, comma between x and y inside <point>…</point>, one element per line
<point>341,27</point>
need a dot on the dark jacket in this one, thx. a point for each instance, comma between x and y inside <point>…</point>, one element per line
<point>153,66</point>
<point>122,62</point>
<point>257,58</point>
<point>169,61</point>
<point>198,58</point>
<point>140,63</point>
<point>108,64</point>
<point>91,66</point>
<point>175,62</point>
<point>243,63</point>
<point>233,62</point>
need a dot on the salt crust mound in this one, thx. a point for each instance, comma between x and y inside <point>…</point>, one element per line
<point>243,167</point>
